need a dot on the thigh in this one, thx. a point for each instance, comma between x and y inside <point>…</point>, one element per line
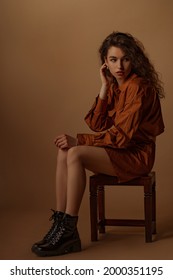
<point>95,159</point>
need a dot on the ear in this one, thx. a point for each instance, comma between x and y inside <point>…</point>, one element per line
<point>106,61</point>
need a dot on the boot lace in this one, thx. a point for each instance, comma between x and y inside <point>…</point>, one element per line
<point>53,227</point>
<point>57,235</point>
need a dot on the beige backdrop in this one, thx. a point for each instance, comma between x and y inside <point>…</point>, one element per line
<point>49,80</point>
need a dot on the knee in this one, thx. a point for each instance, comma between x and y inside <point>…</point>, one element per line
<point>73,155</point>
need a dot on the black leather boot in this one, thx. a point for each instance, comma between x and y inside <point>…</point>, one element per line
<point>65,240</point>
<point>57,218</point>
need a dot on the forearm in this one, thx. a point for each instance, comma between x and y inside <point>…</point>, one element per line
<point>103,92</point>
<point>99,140</point>
<point>97,118</point>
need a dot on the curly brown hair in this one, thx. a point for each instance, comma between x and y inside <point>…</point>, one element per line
<point>134,49</point>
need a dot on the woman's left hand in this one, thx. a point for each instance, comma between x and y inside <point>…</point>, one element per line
<point>65,141</point>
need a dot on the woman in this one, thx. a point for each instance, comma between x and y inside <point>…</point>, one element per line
<point>127,118</point>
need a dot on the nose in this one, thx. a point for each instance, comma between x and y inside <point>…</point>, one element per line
<point>120,64</point>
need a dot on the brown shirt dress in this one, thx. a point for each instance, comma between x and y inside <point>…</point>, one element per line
<point>127,123</point>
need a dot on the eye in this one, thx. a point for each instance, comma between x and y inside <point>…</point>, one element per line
<point>126,59</point>
<point>113,59</point>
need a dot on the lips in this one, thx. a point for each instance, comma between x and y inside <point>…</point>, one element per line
<point>120,72</point>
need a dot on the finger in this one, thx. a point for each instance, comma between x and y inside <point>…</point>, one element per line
<point>59,138</point>
<point>62,143</point>
<point>59,143</point>
<point>103,66</point>
<point>55,141</point>
<point>63,146</point>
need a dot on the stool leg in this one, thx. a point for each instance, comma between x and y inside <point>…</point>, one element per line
<point>101,208</point>
<point>148,216</point>
<point>93,210</point>
<point>154,209</point>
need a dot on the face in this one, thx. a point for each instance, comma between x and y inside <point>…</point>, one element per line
<point>118,63</point>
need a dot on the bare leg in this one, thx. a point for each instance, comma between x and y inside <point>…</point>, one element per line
<point>92,158</point>
<point>71,180</point>
<point>61,180</point>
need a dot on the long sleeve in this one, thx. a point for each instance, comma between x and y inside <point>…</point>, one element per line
<point>124,126</point>
<point>138,116</point>
<point>97,118</point>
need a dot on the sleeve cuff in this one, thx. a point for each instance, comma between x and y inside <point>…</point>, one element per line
<point>85,139</point>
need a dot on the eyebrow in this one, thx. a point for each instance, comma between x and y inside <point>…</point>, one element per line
<point>112,56</point>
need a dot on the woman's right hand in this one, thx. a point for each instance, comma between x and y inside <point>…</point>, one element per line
<point>105,81</point>
<point>104,78</point>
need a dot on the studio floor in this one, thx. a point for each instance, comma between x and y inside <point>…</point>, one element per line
<point>20,229</point>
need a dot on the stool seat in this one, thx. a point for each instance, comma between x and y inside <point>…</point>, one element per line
<point>98,182</point>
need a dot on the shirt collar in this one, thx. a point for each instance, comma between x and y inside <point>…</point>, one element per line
<point>126,83</point>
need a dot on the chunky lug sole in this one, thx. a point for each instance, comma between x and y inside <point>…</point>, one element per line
<point>68,247</point>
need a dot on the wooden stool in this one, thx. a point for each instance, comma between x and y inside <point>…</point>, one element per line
<point>97,205</point>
